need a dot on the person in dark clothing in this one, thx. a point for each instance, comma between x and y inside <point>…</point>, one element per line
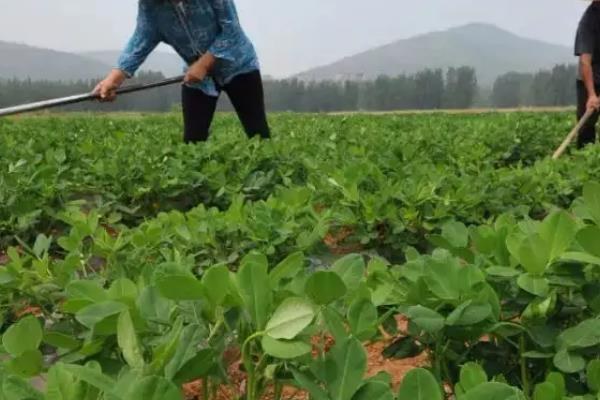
<point>587,48</point>
<point>208,36</point>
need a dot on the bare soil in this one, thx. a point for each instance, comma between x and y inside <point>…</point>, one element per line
<point>376,363</point>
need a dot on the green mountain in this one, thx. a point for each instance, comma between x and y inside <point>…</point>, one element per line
<point>170,64</point>
<point>490,50</point>
<point>23,61</point>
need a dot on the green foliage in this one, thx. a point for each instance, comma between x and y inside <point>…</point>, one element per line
<point>420,384</point>
<point>494,263</point>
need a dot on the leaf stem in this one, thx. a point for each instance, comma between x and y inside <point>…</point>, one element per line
<point>524,372</point>
<point>278,390</point>
<point>205,389</point>
<point>250,370</point>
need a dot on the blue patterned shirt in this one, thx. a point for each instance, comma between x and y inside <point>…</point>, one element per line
<point>192,28</point>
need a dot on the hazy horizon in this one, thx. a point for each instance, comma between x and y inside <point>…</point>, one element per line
<point>293,37</point>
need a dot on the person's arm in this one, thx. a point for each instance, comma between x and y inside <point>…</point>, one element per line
<point>585,45</point>
<point>229,28</point>
<point>142,43</point>
<point>587,74</point>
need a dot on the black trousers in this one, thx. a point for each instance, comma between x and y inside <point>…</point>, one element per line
<point>587,135</point>
<point>247,96</point>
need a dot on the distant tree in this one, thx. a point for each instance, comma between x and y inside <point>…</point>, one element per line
<point>467,87</point>
<point>429,87</point>
<point>562,84</point>
<point>460,88</point>
<point>451,88</point>
<point>554,87</point>
<point>351,94</point>
<point>511,90</point>
<point>541,88</point>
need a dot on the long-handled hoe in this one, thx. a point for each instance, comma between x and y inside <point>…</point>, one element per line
<point>80,98</point>
<point>571,136</point>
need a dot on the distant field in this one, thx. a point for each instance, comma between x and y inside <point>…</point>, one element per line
<point>399,112</point>
<point>467,111</point>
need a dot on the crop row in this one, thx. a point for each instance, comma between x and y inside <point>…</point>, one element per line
<point>401,176</point>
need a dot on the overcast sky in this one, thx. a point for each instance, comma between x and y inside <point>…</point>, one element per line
<point>292,35</point>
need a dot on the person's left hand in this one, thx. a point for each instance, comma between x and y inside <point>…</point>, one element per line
<point>196,72</point>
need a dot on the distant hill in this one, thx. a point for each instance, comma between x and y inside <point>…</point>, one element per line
<point>23,61</point>
<point>490,50</point>
<point>169,64</point>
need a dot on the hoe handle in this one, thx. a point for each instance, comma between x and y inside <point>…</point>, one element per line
<point>63,101</point>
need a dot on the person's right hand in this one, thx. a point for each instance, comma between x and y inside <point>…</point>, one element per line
<point>106,90</point>
<point>593,103</point>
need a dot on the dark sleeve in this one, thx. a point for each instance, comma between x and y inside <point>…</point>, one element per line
<point>585,42</point>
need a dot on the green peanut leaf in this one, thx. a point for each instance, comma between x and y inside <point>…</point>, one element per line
<point>535,285</point>
<point>86,290</point>
<point>290,318</point>
<point>428,320</point>
<point>362,316</point>
<point>324,287</point>
<point>92,376</point>
<point>60,385</point>
<point>288,268</point>
<point>27,365</point>
<point>180,287</point>
<point>585,334</point>
<point>558,381</point>
<point>284,349</point>
<point>94,314</point>
<point>25,335</point>
<point>493,391</point>
<point>471,376</point>
<point>593,375</point>
<point>154,388</point>
<point>216,282</point>
<point>544,391</point>
<point>254,285</point>
<point>128,341</point>
<point>558,231</point>
<point>456,233</point>
<point>569,363</point>
<point>420,384</point>
<point>591,199</point>
<point>589,239</point>
<point>350,361</point>
<point>374,391</point>
<point>469,313</point>
<point>123,289</point>
<point>351,269</point>
<point>199,366</point>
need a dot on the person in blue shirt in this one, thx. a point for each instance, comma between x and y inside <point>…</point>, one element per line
<point>208,36</point>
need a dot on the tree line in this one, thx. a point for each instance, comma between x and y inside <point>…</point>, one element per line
<point>428,89</point>
<point>554,87</point>
<point>454,88</point>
